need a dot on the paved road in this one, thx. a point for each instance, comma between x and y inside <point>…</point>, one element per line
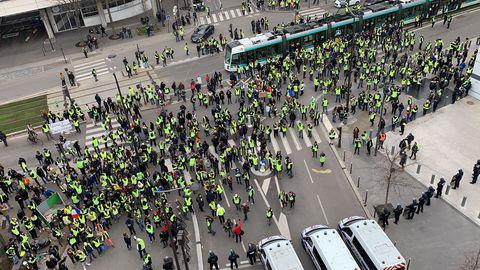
<point>323,194</point>
<point>82,67</point>
<point>322,197</point>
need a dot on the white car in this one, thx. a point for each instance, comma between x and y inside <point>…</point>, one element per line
<point>344,3</point>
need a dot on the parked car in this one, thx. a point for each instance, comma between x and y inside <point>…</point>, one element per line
<point>202,32</point>
<point>344,3</point>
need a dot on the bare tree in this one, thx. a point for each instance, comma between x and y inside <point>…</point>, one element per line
<point>391,172</point>
<point>472,262</point>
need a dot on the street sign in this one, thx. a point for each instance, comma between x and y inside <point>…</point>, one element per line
<point>168,18</point>
<point>60,127</point>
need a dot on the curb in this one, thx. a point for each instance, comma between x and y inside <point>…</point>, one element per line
<point>325,121</point>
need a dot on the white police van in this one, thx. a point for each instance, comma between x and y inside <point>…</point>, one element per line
<point>277,253</point>
<point>327,249</point>
<point>370,245</point>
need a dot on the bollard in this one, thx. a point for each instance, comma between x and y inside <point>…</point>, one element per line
<point>464,200</point>
<point>374,212</point>
<point>366,198</point>
<point>351,167</point>
<point>418,168</point>
<point>478,214</point>
<point>447,190</point>
<point>393,150</point>
<point>370,133</point>
<point>432,180</point>
<point>343,155</point>
<point>408,263</point>
<point>358,182</point>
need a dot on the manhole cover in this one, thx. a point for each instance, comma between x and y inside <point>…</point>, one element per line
<point>470,102</point>
<point>111,55</point>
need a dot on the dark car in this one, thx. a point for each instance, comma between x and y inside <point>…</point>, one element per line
<point>202,32</point>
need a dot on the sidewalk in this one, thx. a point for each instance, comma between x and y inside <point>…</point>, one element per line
<point>429,240</point>
<point>448,141</point>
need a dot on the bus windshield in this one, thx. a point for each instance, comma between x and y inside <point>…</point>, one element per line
<point>228,53</point>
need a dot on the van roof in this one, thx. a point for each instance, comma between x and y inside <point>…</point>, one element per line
<point>280,253</point>
<point>376,243</point>
<point>331,245</point>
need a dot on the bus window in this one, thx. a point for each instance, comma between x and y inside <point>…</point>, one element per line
<point>319,259</point>
<point>235,59</point>
<point>228,52</point>
<point>363,254</point>
<point>308,40</point>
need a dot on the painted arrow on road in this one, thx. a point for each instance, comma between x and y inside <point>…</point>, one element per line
<point>281,222</point>
<point>282,225</point>
<point>322,171</point>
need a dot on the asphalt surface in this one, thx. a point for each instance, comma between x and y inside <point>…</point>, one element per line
<point>323,194</point>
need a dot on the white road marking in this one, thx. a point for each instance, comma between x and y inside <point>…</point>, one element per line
<point>214,17</point>
<point>232,12</point>
<point>239,12</point>
<point>89,73</point>
<point>308,170</point>
<point>277,185</point>
<point>98,64</point>
<point>306,139</point>
<point>316,136</point>
<point>323,210</point>
<point>265,185</point>
<point>294,137</point>
<point>227,16</point>
<point>286,145</point>
<point>88,63</point>
<point>261,193</point>
<point>202,20</point>
<point>220,16</point>
<point>282,223</point>
<point>283,227</point>
<point>188,177</point>
<point>211,149</point>
<point>276,148</point>
<point>208,20</point>
<point>243,247</point>
<point>168,163</point>
<point>197,241</point>
<point>231,142</point>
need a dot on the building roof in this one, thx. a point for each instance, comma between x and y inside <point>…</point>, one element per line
<point>12,7</point>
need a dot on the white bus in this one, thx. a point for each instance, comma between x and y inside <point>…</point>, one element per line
<point>370,245</point>
<point>277,253</point>
<point>327,249</point>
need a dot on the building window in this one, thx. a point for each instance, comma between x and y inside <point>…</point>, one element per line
<point>115,3</point>
<point>89,8</point>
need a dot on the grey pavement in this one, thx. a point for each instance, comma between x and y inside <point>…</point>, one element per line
<point>324,196</point>
<point>24,64</point>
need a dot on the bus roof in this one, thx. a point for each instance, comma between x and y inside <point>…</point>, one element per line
<point>332,246</point>
<point>376,243</point>
<point>279,251</point>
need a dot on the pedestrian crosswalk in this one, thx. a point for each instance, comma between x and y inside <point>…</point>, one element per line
<point>283,143</point>
<point>313,13</point>
<point>96,131</point>
<point>226,15</point>
<point>83,71</point>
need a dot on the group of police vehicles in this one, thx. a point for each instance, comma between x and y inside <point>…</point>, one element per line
<point>358,244</point>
